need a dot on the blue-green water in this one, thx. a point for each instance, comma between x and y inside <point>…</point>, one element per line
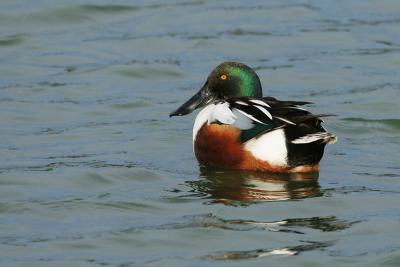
<point>94,173</point>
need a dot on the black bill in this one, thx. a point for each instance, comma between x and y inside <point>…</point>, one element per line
<point>202,98</point>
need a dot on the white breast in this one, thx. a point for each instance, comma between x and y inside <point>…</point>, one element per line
<point>214,112</point>
<point>201,118</point>
<point>222,113</point>
<point>270,147</point>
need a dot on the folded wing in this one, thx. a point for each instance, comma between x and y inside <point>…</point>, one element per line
<point>259,116</point>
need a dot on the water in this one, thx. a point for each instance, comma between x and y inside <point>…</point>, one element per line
<point>93,172</point>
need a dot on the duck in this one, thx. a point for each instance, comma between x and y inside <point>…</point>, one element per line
<point>239,129</point>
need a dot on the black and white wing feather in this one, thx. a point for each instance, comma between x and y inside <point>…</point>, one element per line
<point>254,109</point>
<point>271,111</point>
<point>258,116</point>
<point>299,140</point>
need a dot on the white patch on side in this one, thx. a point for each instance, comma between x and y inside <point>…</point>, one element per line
<point>321,136</point>
<point>270,147</point>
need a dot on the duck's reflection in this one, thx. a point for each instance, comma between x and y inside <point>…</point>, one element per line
<point>226,186</point>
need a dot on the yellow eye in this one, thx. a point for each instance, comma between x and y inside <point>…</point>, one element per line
<point>224,77</point>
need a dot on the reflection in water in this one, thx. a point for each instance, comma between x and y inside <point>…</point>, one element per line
<point>260,253</point>
<point>225,186</point>
<point>300,226</point>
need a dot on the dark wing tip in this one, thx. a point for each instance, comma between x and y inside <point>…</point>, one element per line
<point>284,102</point>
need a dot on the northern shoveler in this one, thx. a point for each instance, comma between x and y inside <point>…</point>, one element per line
<point>238,128</point>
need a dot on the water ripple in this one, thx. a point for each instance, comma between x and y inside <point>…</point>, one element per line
<point>293,225</point>
<point>12,39</point>
<point>391,123</point>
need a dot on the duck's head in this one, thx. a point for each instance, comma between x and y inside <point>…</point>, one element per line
<point>229,79</point>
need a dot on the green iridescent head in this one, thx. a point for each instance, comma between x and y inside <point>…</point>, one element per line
<point>234,79</point>
<point>229,79</point>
